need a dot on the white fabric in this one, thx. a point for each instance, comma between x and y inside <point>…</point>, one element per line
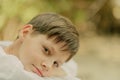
<point>70,68</point>
<point>12,69</point>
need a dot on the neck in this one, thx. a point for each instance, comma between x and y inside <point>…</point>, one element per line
<point>13,48</point>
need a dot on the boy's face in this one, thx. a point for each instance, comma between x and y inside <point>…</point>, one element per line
<point>40,54</point>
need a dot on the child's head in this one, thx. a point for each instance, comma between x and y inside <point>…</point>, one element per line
<point>45,43</point>
<point>54,25</point>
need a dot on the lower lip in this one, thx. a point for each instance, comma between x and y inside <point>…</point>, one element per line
<point>37,71</point>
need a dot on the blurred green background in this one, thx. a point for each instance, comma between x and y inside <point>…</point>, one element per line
<point>98,22</point>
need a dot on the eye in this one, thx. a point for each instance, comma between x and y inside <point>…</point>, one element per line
<point>56,64</point>
<point>46,50</point>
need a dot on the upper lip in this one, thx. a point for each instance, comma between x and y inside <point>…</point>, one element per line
<point>38,70</point>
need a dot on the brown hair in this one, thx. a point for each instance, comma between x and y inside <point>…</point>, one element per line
<point>52,24</point>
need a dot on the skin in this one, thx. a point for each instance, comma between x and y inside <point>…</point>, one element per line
<point>38,53</point>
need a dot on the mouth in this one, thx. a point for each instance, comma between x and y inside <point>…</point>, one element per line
<point>37,71</point>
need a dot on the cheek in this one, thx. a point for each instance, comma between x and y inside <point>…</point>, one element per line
<point>29,55</point>
<point>52,72</point>
<point>49,73</point>
<point>34,56</point>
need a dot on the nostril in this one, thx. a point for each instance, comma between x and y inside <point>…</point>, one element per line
<point>44,67</point>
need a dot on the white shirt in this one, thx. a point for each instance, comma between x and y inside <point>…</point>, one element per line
<point>11,68</point>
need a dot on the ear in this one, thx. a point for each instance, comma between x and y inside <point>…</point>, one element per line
<point>27,29</point>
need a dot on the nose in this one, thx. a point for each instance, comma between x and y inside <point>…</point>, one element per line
<point>46,65</point>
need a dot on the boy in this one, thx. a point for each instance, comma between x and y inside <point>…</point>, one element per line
<point>44,44</point>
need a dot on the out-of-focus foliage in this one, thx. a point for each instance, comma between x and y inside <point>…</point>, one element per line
<point>90,16</point>
<point>106,19</point>
<point>15,13</point>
